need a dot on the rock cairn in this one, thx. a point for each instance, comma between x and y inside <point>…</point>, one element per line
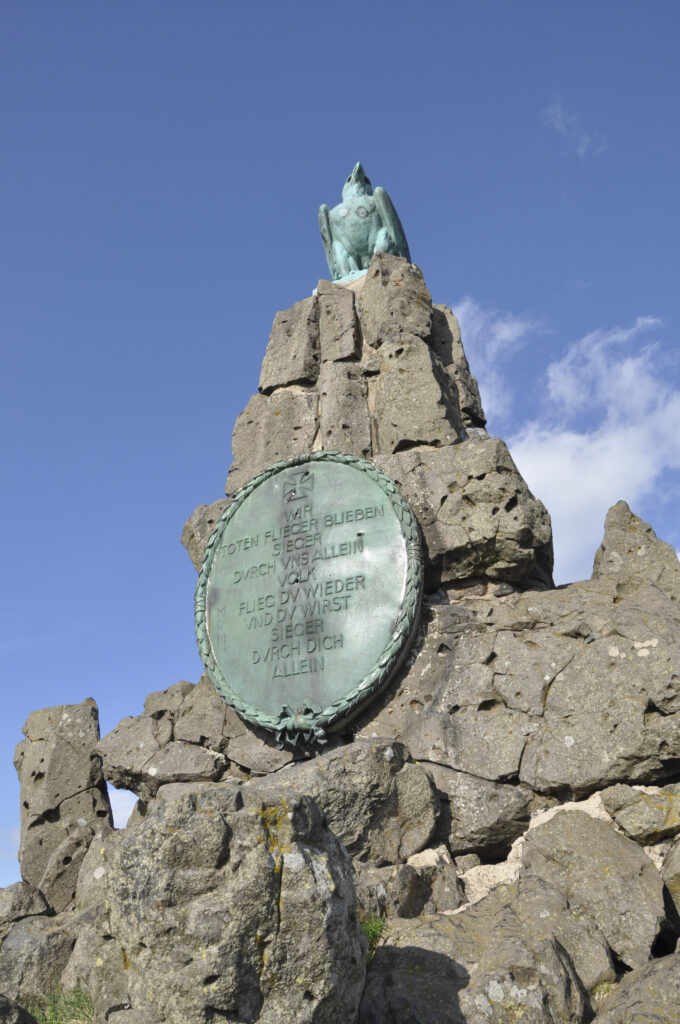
<point>510,804</point>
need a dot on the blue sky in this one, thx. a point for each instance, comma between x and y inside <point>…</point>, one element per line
<point>161,169</point>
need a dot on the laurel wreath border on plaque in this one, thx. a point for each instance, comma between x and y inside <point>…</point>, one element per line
<point>307,723</point>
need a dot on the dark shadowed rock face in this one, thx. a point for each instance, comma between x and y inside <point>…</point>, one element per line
<point>498,961</point>
<point>671,873</point>
<point>10,1013</point>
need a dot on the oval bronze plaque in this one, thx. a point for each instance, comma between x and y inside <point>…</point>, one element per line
<point>309,593</point>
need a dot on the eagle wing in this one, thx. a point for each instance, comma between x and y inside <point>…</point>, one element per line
<point>327,237</point>
<point>391,221</point>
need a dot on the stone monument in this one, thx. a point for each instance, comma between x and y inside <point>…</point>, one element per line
<point>311,583</point>
<point>508,803</point>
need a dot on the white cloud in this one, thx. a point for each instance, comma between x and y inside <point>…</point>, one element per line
<point>609,430</point>
<point>570,125</point>
<point>9,843</point>
<point>122,802</point>
<point>489,337</point>
<point>9,856</point>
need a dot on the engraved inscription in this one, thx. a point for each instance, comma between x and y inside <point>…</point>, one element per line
<point>306,585</point>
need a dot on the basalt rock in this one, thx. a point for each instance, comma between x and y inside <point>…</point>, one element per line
<point>20,901</point>
<point>567,691</point>
<point>379,803</point>
<point>478,517</point>
<point>495,962</point>
<point>631,550</point>
<point>603,874</point>
<point>10,1013</point>
<point>185,734</point>
<point>292,355</point>
<point>63,797</point>
<point>427,883</point>
<point>394,302</point>
<point>446,805</point>
<point>271,428</point>
<point>647,815</point>
<point>671,873</point>
<point>651,993</point>
<point>384,376</point>
<point>198,528</point>
<point>35,953</point>
<point>480,816</point>
<point>223,904</point>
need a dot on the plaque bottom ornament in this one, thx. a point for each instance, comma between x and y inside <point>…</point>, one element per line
<point>309,594</point>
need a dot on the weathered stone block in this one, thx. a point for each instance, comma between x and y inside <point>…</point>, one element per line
<point>33,956</point>
<point>494,962</point>
<point>651,993</point>
<point>271,428</point>
<point>198,528</point>
<point>339,334</point>
<point>139,755</point>
<point>481,816</point>
<point>343,408</point>
<point>606,875</point>
<point>477,514</point>
<point>202,716</point>
<point>648,816</point>
<point>393,302</point>
<point>630,548</point>
<point>606,714</point>
<point>407,890</point>
<point>168,702</point>
<point>446,342</point>
<point>292,355</point>
<point>19,901</point>
<point>63,792</point>
<point>414,401</point>
<point>379,803</point>
<point>228,904</point>
<point>127,751</point>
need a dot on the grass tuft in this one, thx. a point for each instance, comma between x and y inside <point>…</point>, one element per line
<point>61,1007</point>
<point>602,990</point>
<point>372,927</point>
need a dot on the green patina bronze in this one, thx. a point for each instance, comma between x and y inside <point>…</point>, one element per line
<point>365,222</point>
<point>309,594</point>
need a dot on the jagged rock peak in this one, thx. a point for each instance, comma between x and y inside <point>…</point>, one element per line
<point>378,371</point>
<point>630,549</point>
